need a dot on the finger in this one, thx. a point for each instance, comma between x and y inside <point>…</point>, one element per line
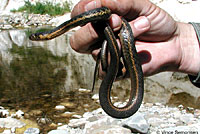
<point>127,8</point>
<point>83,39</point>
<point>140,26</point>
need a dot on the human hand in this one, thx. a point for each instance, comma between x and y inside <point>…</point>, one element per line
<point>162,43</point>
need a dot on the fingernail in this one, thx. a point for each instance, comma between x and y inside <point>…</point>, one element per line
<point>141,23</point>
<point>90,5</point>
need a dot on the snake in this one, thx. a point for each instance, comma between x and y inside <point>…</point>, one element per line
<point>129,55</point>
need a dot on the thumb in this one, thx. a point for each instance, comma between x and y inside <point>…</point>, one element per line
<point>140,25</point>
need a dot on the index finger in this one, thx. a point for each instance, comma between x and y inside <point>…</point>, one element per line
<point>129,9</point>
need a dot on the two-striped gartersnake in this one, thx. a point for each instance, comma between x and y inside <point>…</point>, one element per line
<point>129,55</point>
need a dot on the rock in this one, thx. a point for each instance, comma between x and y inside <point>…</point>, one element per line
<point>71,130</point>
<point>58,132</point>
<point>158,104</point>
<point>106,125</point>
<point>53,126</point>
<point>182,130</point>
<point>68,104</point>
<point>80,123</point>
<point>88,115</point>
<point>84,90</point>
<point>190,109</point>
<point>187,118</point>
<point>19,114</point>
<point>60,107</point>
<point>10,123</point>
<point>137,123</point>
<point>44,121</point>
<point>119,104</point>
<point>110,129</point>
<point>67,114</point>
<point>7,132</point>
<point>77,116</point>
<point>32,131</point>
<point>3,113</point>
<point>35,112</point>
<point>184,1</point>
<point>12,130</point>
<point>197,113</point>
<point>7,26</point>
<point>176,114</point>
<point>181,107</point>
<point>26,116</point>
<point>95,97</point>
<point>155,121</point>
<point>59,124</point>
<point>99,111</point>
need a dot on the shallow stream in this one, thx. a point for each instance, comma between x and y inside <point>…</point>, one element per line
<point>36,77</point>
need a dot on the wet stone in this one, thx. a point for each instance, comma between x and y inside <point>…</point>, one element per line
<point>10,123</point>
<point>68,105</point>
<point>35,112</point>
<point>12,130</point>
<point>3,113</point>
<point>67,114</point>
<point>58,132</point>
<point>70,130</point>
<point>95,97</point>
<point>60,107</point>
<point>32,131</point>
<point>44,121</point>
<point>7,132</point>
<point>84,90</point>
<point>19,114</point>
<point>77,116</point>
<point>53,125</point>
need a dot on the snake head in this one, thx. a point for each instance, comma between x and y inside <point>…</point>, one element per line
<point>34,37</point>
<point>41,36</point>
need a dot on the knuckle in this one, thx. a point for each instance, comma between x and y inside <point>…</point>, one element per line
<point>92,33</point>
<point>73,44</point>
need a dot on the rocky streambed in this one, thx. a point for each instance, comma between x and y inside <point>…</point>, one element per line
<point>150,119</point>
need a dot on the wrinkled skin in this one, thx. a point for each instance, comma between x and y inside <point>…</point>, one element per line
<point>162,43</point>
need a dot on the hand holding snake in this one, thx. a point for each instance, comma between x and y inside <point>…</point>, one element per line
<point>162,43</point>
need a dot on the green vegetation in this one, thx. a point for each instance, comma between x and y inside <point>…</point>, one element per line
<point>45,8</point>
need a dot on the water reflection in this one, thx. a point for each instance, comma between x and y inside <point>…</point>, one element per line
<point>40,75</point>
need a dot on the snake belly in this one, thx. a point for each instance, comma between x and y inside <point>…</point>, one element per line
<point>129,56</point>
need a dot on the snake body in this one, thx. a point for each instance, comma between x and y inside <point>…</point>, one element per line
<point>129,55</point>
